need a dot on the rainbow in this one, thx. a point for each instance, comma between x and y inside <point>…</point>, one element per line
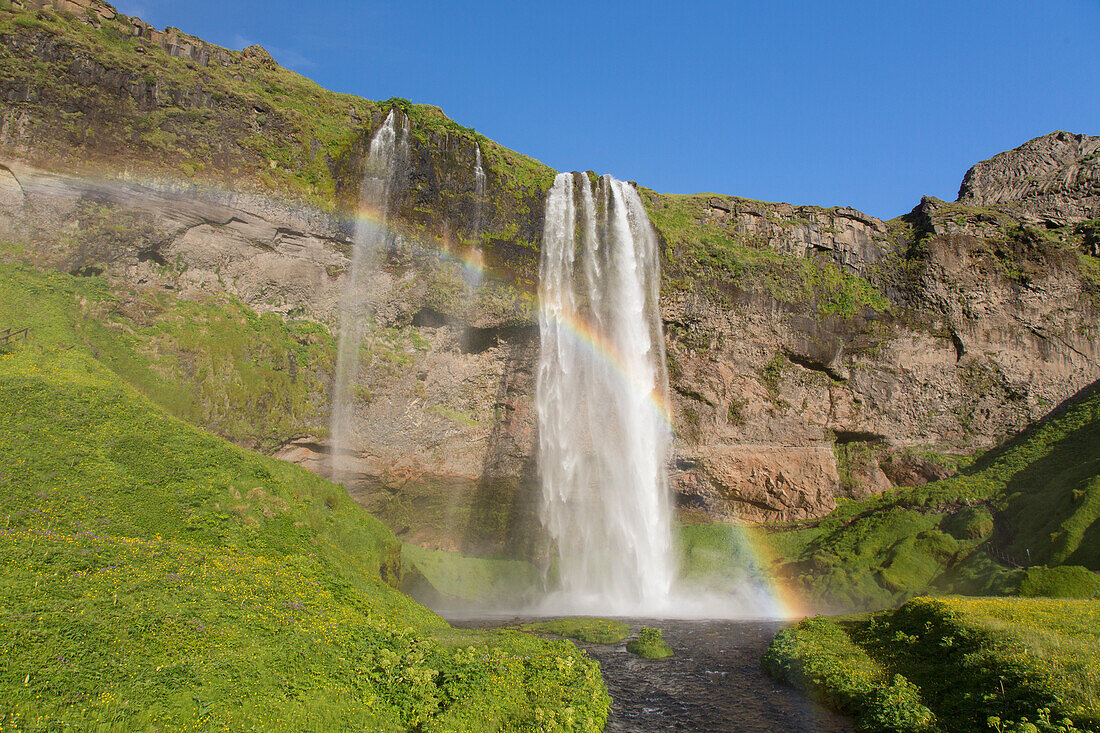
<point>785,600</point>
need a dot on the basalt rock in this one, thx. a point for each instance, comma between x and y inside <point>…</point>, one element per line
<point>1050,180</point>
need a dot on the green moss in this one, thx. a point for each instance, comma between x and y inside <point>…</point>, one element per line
<point>589,629</point>
<point>255,379</point>
<point>1064,581</point>
<point>649,644</point>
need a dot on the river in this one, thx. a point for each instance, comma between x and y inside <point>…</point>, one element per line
<point>712,683</point>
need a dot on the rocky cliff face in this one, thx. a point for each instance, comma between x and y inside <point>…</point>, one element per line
<point>814,353</point>
<point>1052,180</point>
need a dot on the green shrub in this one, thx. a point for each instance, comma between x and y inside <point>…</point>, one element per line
<point>650,644</point>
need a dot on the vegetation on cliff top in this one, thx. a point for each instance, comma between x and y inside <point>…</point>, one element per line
<point>155,575</point>
<point>952,664</point>
<point>709,256</point>
<point>100,99</point>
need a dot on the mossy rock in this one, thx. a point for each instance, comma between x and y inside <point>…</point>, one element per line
<point>591,630</point>
<point>649,644</point>
<point>1065,581</point>
<point>970,523</point>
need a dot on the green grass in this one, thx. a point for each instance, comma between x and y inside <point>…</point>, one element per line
<point>257,380</point>
<point>649,644</point>
<point>590,629</point>
<point>450,577</point>
<point>155,575</point>
<point>819,658</point>
<point>975,663</point>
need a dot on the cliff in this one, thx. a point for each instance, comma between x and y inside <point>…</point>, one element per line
<point>1052,180</point>
<point>814,353</point>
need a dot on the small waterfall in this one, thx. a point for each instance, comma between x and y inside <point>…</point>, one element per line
<point>602,399</point>
<point>479,181</point>
<point>474,271</point>
<point>388,151</point>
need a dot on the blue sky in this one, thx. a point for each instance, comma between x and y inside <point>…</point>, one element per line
<point>867,104</point>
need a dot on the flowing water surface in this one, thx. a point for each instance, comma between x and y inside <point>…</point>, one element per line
<point>713,683</point>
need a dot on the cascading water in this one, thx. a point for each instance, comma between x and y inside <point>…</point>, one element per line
<point>474,272</point>
<point>602,401</point>
<point>388,151</point>
<point>479,186</point>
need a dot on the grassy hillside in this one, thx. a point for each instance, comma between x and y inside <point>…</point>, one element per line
<point>953,664</point>
<point>1032,502</point>
<point>154,575</point>
<point>256,380</point>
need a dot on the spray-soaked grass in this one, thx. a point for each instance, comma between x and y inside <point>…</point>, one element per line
<point>968,660</point>
<point>452,578</point>
<point>155,575</point>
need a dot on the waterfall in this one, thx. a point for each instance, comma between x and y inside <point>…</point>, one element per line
<point>479,181</point>
<point>388,151</point>
<point>602,399</point>
<point>474,271</point>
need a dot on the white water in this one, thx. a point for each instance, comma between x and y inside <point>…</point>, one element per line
<point>603,433</point>
<point>474,273</point>
<point>479,178</point>
<point>388,150</point>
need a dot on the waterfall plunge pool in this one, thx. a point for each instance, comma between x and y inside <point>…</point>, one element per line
<point>712,684</point>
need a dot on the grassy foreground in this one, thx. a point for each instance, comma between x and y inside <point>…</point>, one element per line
<point>155,576</point>
<point>952,664</point>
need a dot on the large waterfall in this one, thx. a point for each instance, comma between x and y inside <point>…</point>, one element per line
<point>388,151</point>
<point>602,399</point>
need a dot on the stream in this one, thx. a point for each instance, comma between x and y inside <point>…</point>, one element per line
<point>712,683</point>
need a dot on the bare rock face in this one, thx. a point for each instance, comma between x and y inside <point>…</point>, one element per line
<point>1053,179</point>
<point>760,483</point>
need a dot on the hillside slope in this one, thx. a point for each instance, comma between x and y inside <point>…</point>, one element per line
<point>154,575</point>
<point>952,664</point>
